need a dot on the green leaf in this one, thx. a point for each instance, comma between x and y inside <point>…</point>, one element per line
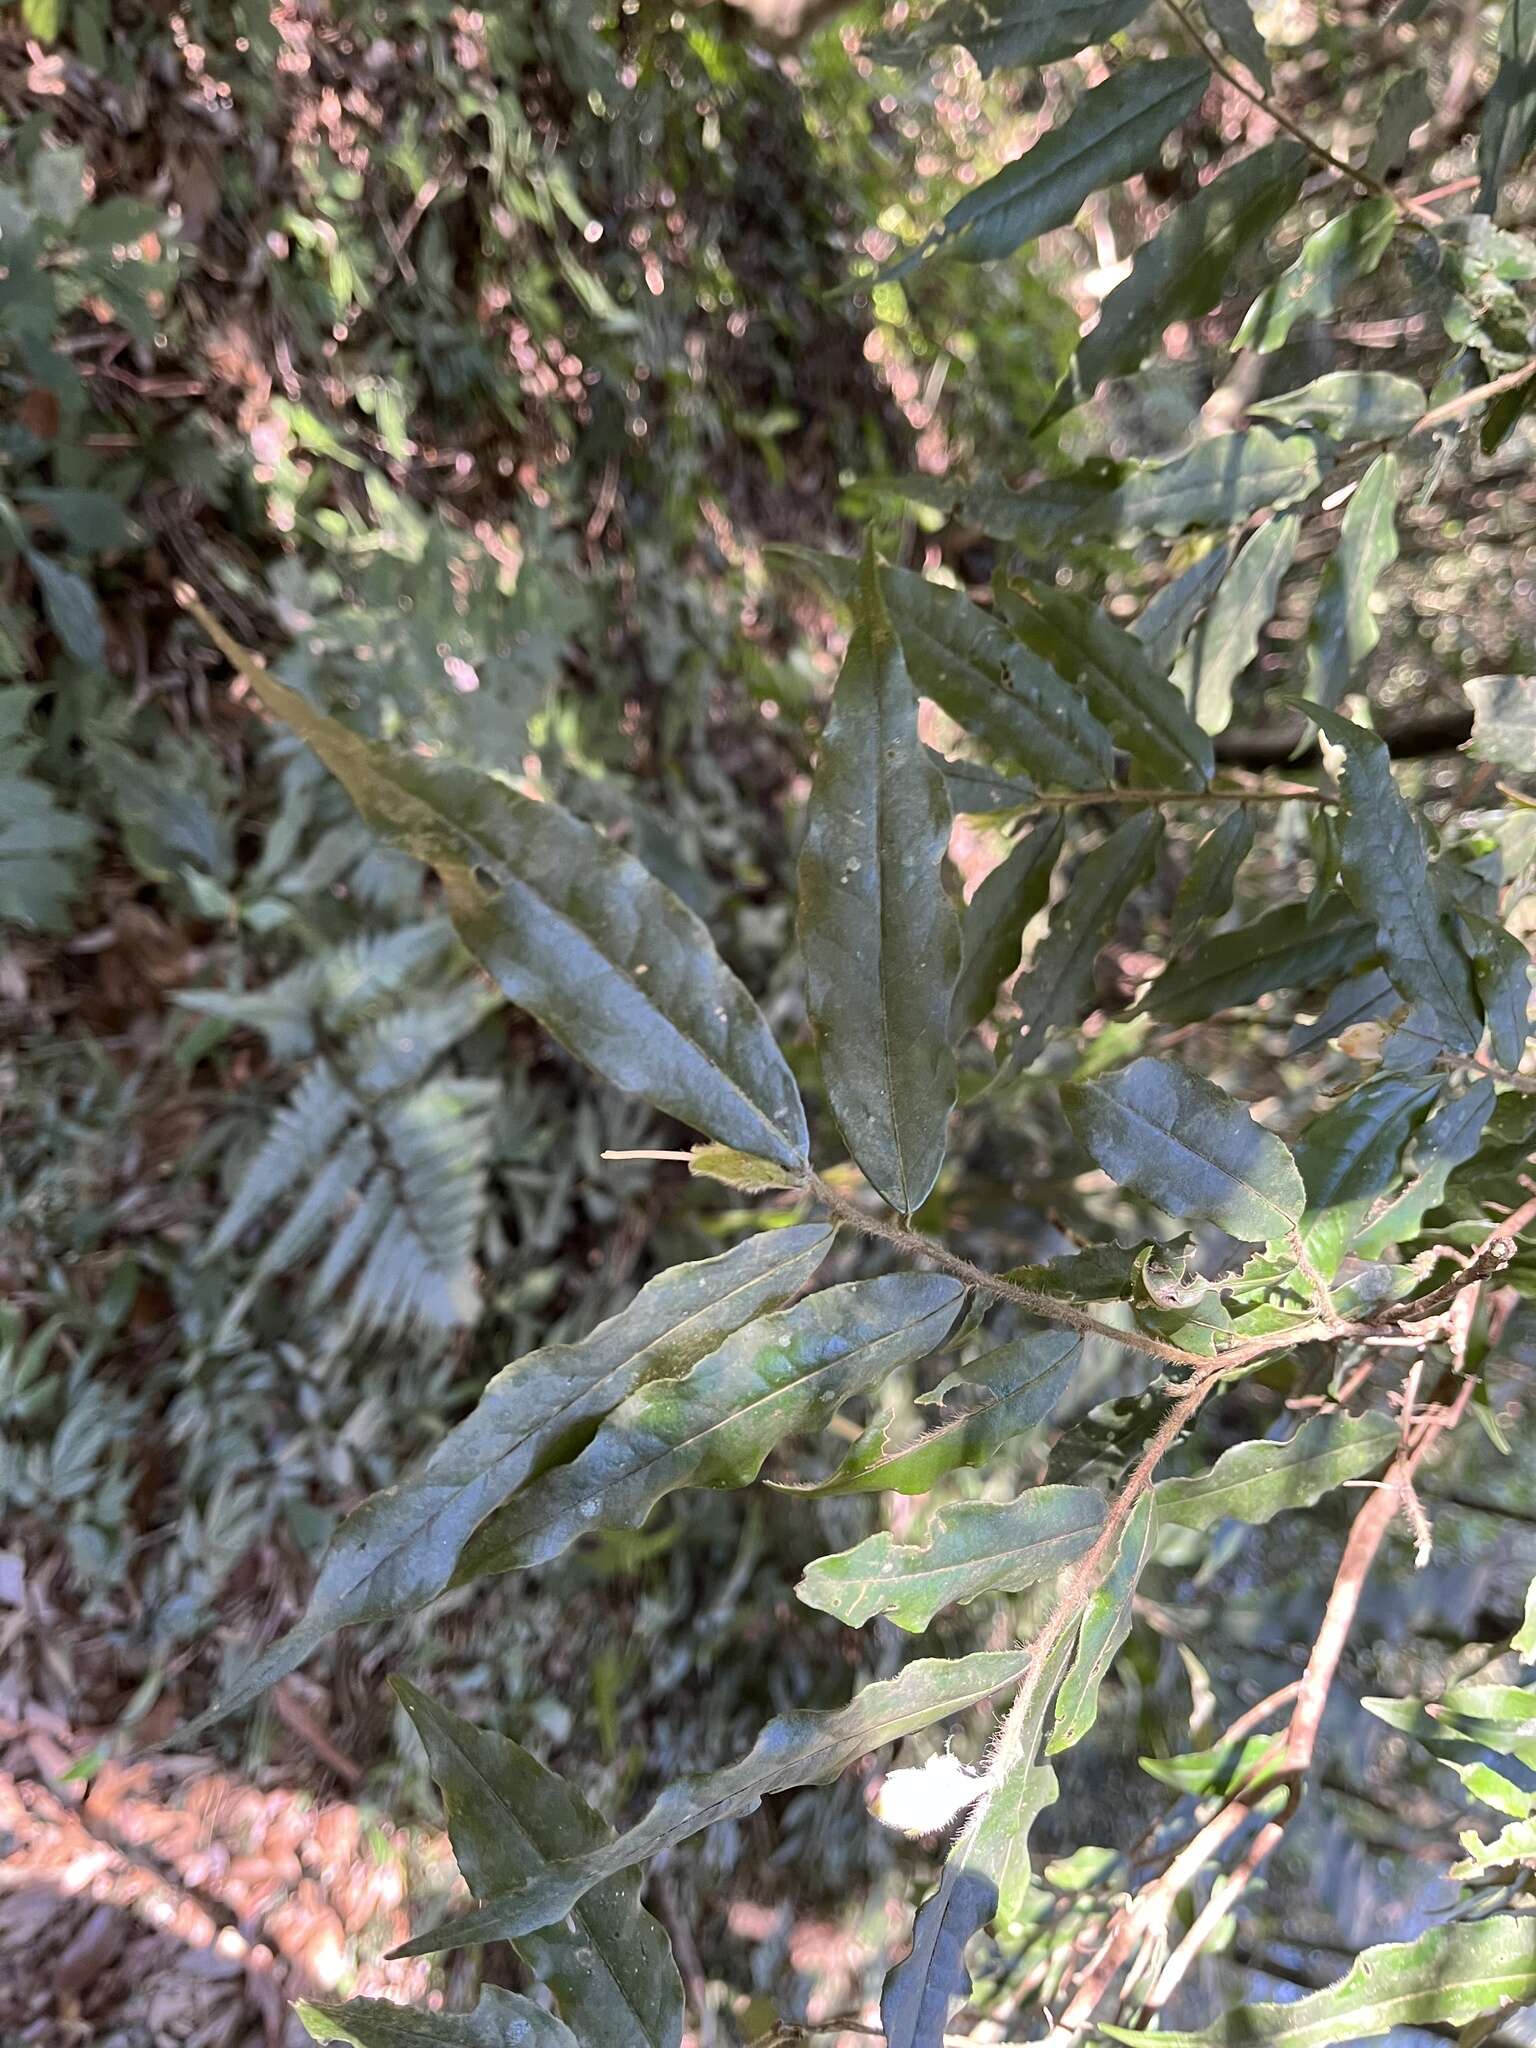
<point>1221,481</point>
<point>1181,272</point>
<point>398,1550</point>
<point>1057,986</point>
<point>92,522</point>
<point>1385,869</point>
<point>1450,1137</point>
<point>1112,670</point>
<point>879,935</point>
<point>1509,112</point>
<point>715,1426</point>
<point>44,850</point>
<point>1342,630</point>
<point>71,609</point>
<point>1222,1769</point>
<point>1447,1976</point>
<point>1113,130</point>
<point>1405,107</point>
<point>1177,1140</point>
<point>992,929</point>
<point>931,1979</point>
<point>1165,623</point>
<point>1348,248</point>
<point>1350,1155</point>
<point>1286,948</point>
<point>609,1966</point>
<point>1020,1383</point>
<point>56,182</point>
<point>1236,30</point>
<point>1503,720</point>
<point>800,1748</point>
<point>500,2017</point>
<point>1105,1625</point>
<point>1524,1639</point>
<point>1227,638</point>
<point>573,930</point>
<point>973,1548</point>
<point>1254,1482</point>
<point>1013,33</point>
<point>1206,891</point>
<point>1349,405</point>
<point>1501,973</point>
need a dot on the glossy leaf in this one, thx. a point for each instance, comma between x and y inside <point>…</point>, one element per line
<point>609,1965</point>
<point>1206,891</point>
<point>1057,987</point>
<point>1343,630</point>
<point>575,931</point>
<point>1508,127</point>
<point>1227,638</point>
<point>716,1425</point>
<point>1254,1482</point>
<point>879,934</point>
<point>1501,974</point>
<point>1105,1625</point>
<point>1350,1155</point>
<point>1008,34</point>
<point>931,1980</point>
<point>1447,1139</point>
<point>1177,1140</point>
<point>499,2017</point>
<point>398,1550</point>
<point>973,1548</point>
<point>800,1748</point>
<point>1349,405</point>
<point>1504,721</point>
<point>1286,948</point>
<point>992,929</point>
<point>1349,247</point>
<point>1237,30</point>
<point>1448,1975</point>
<point>1385,868</point>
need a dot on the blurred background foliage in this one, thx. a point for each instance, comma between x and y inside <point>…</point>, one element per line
<point>473,358</point>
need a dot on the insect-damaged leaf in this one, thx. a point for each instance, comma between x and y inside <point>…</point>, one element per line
<point>992,929</point>
<point>1179,1141</point>
<point>1227,638</point>
<point>715,1426</point>
<point>573,929</point>
<point>1342,630</point>
<point>1057,985</point>
<point>1254,1482</point>
<point>879,934</point>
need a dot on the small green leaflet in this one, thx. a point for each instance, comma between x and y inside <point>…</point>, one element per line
<point>499,2017</point>
<point>573,929</point>
<point>1058,984</point>
<point>1105,1625</point>
<point>1349,405</point>
<point>1349,247</point>
<point>715,1426</point>
<point>1386,872</point>
<point>1234,25</point>
<point>1012,33</point>
<point>992,929</point>
<point>973,1548</point>
<point>1254,1482</point>
<point>1286,948</point>
<point>1206,891</point>
<point>1449,1975</point>
<point>1342,630</point>
<point>880,937</point>
<point>1504,721</point>
<point>1509,113</point>
<point>800,1748</point>
<point>1178,1141</point>
<point>1224,1769</point>
<point>1227,638</point>
<point>1113,130</point>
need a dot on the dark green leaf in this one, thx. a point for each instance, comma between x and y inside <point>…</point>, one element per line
<point>1177,1140</point>
<point>1350,1155</point>
<point>72,611</point>
<point>1501,972</point>
<point>976,792</point>
<point>1227,638</point>
<point>1342,630</point>
<point>609,1966</point>
<point>500,2018</point>
<point>1509,113</point>
<point>1058,984</point>
<point>1449,1138</point>
<point>715,1425</point>
<point>1349,247</point>
<point>1221,481</point>
<point>575,931</point>
<point>1165,623</point>
<point>1235,27</point>
<point>1254,1482</point>
<point>1405,107</point>
<point>1206,891</point>
<point>1105,1625</point>
<point>44,849</point>
<point>1012,33</point>
<point>880,936</point>
<point>1504,721</point>
<point>992,930</point>
<point>1386,871</point>
<point>931,1979</point>
<point>91,522</point>
<point>1351,405</point>
<point>974,1548</point>
<point>1286,948</point>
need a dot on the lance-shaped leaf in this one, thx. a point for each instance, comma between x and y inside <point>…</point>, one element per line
<point>1349,405</point>
<point>1112,131</point>
<point>1343,630</point>
<point>992,929</point>
<point>973,1548</point>
<point>879,934</point>
<point>931,1980</point>
<point>1180,1142</point>
<point>1112,670</point>
<point>1405,106</point>
<point>1164,625</point>
<point>398,1550</point>
<point>574,930</point>
<point>717,1424</point>
<point>609,1966</point>
<point>1385,869</point>
<point>1504,720</point>
<point>1105,1625</point>
<point>1018,1383</point>
<point>1011,33</point>
<point>801,1748</point>
<point>1445,1977</point>
<point>1058,985</point>
<point>1286,948</point>
<point>1349,247</point>
<point>1254,1482</point>
<point>499,2017</point>
<point>1221,481</point>
<point>1501,974</point>
<point>1350,1155</point>
<point>1449,1137</point>
<point>1227,638</point>
<point>1181,273</point>
<point>1509,113</point>
<point>1206,891</point>
<point>1236,28</point>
